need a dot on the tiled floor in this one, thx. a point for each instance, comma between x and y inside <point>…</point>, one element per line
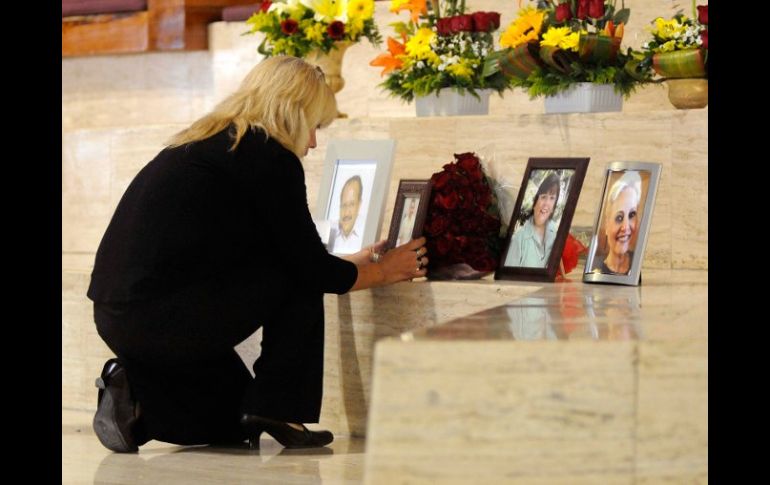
<point>84,460</point>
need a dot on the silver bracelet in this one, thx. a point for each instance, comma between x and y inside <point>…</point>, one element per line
<point>374,257</point>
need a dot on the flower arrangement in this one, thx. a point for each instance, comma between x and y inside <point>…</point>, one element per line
<point>297,27</point>
<point>463,221</point>
<point>550,47</point>
<point>679,46</point>
<point>440,47</point>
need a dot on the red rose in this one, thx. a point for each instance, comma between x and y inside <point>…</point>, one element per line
<point>582,10</point>
<point>437,225</point>
<point>470,164</point>
<point>596,9</point>
<point>461,23</point>
<point>703,14</point>
<point>336,30</point>
<point>443,245</point>
<point>448,202</point>
<point>439,180</point>
<point>494,19</point>
<point>704,37</point>
<point>444,26</point>
<point>563,12</point>
<point>460,179</point>
<point>489,223</point>
<point>484,262</point>
<point>471,224</point>
<point>482,22</point>
<point>289,26</point>
<point>265,5</point>
<point>466,198</point>
<point>484,198</point>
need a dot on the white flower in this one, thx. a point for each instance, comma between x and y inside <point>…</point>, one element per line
<point>288,6</point>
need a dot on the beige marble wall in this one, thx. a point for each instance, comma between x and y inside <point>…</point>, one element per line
<point>678,140</point>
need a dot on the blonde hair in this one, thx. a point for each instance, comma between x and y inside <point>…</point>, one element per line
<point>629,180</point>
<point>284,96</point>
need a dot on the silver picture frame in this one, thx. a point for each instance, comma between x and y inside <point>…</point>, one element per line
<point>371,161</point>
<point>612,242</point>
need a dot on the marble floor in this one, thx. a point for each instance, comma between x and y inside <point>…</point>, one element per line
<point>84,460</point>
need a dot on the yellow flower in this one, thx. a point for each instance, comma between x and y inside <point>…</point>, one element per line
<point>668,46</point>
<point>315,32</point>
<point>668,29</point>
<point>259,20</point>
<point>395,5</point>
<point>561,37</point>
<point>355,27</point>
<point>419,45</point>
<point>525,28</point>
<point>461,69</point>
<point>415,7</point>
<point>329,10</point>
<point>360,9</point>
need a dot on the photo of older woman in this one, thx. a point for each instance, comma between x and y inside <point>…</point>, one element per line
<point>535,233</point>
<point>620,222</point>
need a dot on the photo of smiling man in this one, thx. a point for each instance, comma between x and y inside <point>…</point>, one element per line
<point>536,229</point>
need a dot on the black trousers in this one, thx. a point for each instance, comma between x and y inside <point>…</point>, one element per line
<point>191,385</point>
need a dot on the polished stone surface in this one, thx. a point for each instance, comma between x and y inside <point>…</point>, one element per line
<point>572,383</point>
<point>85,460</point>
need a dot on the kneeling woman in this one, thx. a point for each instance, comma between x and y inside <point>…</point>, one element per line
<point>212,240</point>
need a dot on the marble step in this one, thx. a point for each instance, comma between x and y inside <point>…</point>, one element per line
<point>570,384</point>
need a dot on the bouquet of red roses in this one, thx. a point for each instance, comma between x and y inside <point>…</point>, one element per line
<point>463,221</point>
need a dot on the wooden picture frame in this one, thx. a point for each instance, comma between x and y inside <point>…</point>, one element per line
<point>409,212</point>
<point>549,190</point>
<point>364,165</point>
<point>622,223</point>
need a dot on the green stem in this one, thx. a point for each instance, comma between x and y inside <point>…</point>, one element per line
<point>436,10</point>
<point>462,6</point>
<point>694,10</point>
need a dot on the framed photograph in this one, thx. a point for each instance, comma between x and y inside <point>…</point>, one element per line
<point>622,223</point>
<point>541,219</point>
<point>354,185</point>
<point>409,212</point>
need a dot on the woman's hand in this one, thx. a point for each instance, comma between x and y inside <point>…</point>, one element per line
<point>405,262</point>
<point>401,263</point>
<point>369,254</point>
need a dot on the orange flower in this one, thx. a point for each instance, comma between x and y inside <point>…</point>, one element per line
<point>389,60</point>
<point>416,7</point>
<point>611,30</point>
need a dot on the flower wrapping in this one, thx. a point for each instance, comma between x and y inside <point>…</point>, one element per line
<point>679,46</point>
<point>556,44</point>
<point>463,220</point>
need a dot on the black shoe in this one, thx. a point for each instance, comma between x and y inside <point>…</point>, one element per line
<point>116,410</point>
<point>283,433</point>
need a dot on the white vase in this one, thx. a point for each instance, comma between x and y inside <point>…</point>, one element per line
<point>449,102</point>
<point>585,98</point>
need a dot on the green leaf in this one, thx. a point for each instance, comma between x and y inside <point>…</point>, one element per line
<point>622,15</point>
